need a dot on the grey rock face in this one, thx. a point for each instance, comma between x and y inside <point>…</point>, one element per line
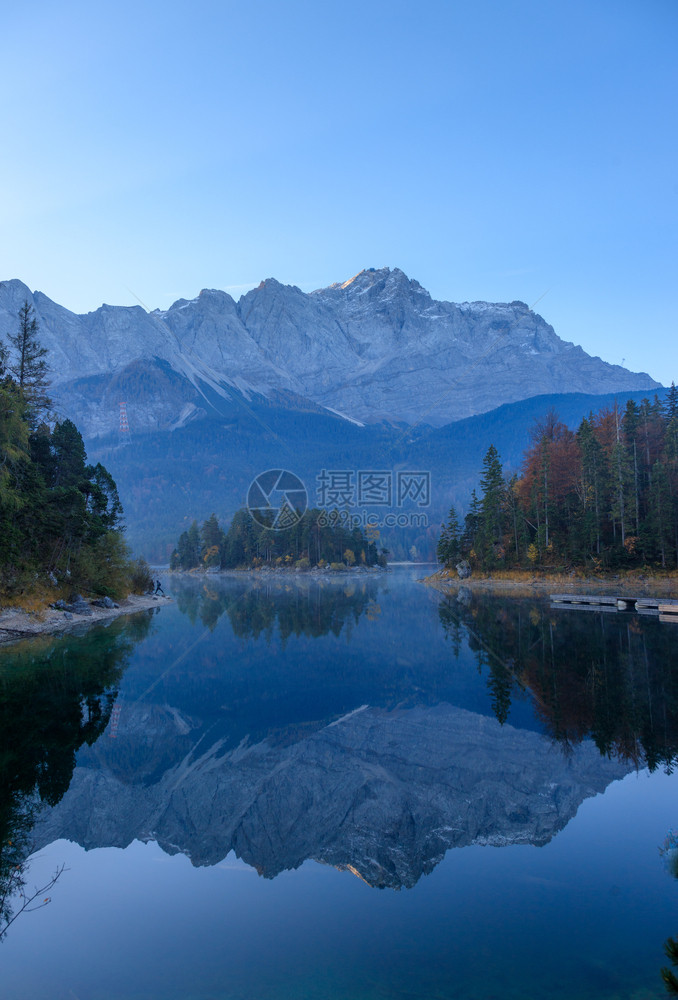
<point>377,346</point>
<point>384,794</point>
<point>464,569</point>
<point>105,602</point>
<point>77,606</point>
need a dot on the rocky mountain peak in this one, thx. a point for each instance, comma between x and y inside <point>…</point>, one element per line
<point>377,281</point>
<point>375,346</point>
<point>14,293</point>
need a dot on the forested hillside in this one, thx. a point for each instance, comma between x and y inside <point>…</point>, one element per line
<point>209,464</point>
<point>603,496</point>
<point>60,517</point>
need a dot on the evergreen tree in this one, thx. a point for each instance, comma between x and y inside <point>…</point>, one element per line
<point>608,493</point>
<point>490,527</point>
<point>212,541</point>
<point>67,504</point>
<point>514,514</point>
<point>188,548</point>
<point>631,432</point>
<point>104,509</point>
<point>660,521</point>
<point>622,476</point>
<point>500,684</point>
<point>442,547</point>
<point>591,483</point>
<point>58,515</point>
<point>471,524</point>
<point>449,545</point>
<point>29,366</point>
<point>69,455</point>
<point>14,441</point>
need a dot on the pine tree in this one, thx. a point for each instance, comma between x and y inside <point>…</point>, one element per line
<point>57,514</point>
<point>104,509</point>
<point>591,487</point>
<point>517,524</point>
<point>657,528</point>
<point>443,545</point>
<point>188,547</point>
<point>29,367</point>
<point>449,544</point>
<point>490,529</point>
<point>14,445</point>
<point>69,455</point>
<point>471,524</point>
<point>622,479</point>
<point>631,431</point>
<point>212,541</point>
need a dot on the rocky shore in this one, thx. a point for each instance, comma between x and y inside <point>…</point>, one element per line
<point>16,623</point>
<point>522,584</point>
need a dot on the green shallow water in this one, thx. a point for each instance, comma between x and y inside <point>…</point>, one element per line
<point>348,791</point>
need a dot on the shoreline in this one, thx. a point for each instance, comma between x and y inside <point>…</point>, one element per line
<point>283,572</point>
<point>528,585</point>
<point>16,624</point>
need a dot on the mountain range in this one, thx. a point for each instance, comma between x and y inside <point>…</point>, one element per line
<point>375,347</point>
<point>371,373</point>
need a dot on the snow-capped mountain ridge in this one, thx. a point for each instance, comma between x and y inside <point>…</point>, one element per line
<point>376,346</point>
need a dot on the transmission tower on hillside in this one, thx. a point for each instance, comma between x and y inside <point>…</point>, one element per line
<point>124,425</point>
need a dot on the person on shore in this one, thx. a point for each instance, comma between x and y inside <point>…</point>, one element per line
<point>158,588</point>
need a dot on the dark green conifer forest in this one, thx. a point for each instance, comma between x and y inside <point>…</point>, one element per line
<point>61,520</point>
<point>603,497</point>
<point>317,538</point>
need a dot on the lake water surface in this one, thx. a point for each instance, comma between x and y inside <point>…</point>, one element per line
<point>347,790</point>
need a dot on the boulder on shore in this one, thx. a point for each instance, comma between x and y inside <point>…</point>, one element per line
<point>464,569</point>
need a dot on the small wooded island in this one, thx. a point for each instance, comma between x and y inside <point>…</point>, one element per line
<point>316,538</point>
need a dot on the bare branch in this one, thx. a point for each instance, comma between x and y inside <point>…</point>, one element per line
<point>29,902</point>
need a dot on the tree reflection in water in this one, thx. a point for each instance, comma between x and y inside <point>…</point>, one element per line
<point>258,608</point>
<point>55,696</point>
<point>611,677</point>
<point>605,676</point>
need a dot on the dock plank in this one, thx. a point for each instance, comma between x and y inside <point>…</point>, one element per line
<point>583,599</point>
<point>601,608</point>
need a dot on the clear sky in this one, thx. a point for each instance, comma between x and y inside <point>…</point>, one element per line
<point>492,150</point>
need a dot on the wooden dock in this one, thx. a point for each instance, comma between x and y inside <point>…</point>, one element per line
<point>560,605</point>
<point>664,607</point>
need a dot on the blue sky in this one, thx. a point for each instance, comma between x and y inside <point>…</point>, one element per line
<point>497,151</point>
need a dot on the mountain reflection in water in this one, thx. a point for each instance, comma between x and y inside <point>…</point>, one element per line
<point>292,721</point>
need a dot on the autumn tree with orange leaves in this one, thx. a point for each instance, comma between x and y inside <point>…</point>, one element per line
<point>604,496</point>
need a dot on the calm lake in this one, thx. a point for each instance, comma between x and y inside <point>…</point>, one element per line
<point>349,790</point>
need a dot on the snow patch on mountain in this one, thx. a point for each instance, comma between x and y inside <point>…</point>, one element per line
<point>376,346</point>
